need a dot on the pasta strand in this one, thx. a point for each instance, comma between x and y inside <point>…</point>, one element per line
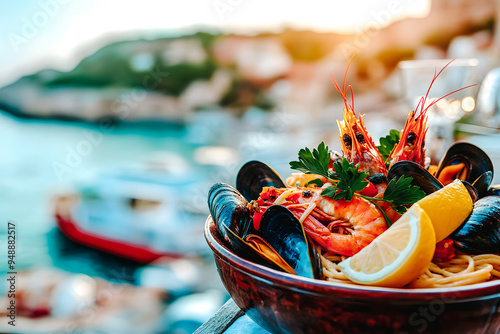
<point>459,271</point>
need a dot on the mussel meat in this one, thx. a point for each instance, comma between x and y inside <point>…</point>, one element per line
<point>425,180</point>
<point>471,162</point>
<point>280,242</point>
<point>257,250</point>
<point>283,231</point>
<point>480,233</point>
<point>255,175</point>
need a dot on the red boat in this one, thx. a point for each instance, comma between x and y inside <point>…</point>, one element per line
<point>71,229</point>
<point>139,212</point>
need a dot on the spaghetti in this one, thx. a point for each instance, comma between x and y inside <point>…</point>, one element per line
<point>459,271</point>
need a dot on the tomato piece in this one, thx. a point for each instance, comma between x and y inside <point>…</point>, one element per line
<point>370,190</point>
<point>444,250</point>
<point>294,198</point>
<point>330,163</point>
<point>257,216</point>
<point>265,195</point>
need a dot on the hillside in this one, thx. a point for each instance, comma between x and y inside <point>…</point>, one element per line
<point>170,78</point>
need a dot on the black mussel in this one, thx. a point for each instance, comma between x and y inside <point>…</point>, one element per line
<point>280,242</point>
<point>473,192</point>
<point>258,251</point>
<point>283,231</point>
<point>476,161</point>
<point>480,233</point>
<point>482,183</point>
<point>229,210</point>
<point>421,177</point>
<point>255,175</point>
<point>494,190</point>
<point>377,179</point>
<point>231,215</point>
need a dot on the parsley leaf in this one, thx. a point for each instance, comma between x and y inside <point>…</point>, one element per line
<point>400,192</point>
<point>315,162</point>
<point>350,179</point>
<point>346,178</point>
<point>317,182</point>
<point>388,142</point>
<point>330,191</point>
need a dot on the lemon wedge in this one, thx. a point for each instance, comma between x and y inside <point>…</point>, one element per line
<point>397,256</point>
<point>447,208</point>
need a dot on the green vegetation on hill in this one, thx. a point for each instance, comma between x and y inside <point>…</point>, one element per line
<point>111,66</point>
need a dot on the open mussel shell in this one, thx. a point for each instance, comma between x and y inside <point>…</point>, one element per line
<point>476,161</point>
<point>473,192</point>
<point>280,243</point>
<point>482,183</point>
<point>255,175</point>
<point>494,190</point>
<point>480,233</point>
<point>229,210</point>
<point>421,177</point>
<point>244,249</point>
<point>284,232</point>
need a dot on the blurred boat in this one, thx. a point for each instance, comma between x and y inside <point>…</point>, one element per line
<point>140,213</point>
<point>55,301</point>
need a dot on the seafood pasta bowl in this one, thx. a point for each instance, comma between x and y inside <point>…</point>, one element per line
<point>286,303</point>
<point>364,241</point>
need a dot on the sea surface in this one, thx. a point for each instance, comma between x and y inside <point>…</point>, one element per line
<point>42,158</point>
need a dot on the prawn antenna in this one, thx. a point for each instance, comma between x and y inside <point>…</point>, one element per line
<point>344,90</point>
<point>421,102</point>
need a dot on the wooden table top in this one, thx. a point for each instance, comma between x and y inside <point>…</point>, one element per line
<point>230,319</point>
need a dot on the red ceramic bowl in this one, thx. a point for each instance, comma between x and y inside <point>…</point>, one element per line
<point>284,303</point>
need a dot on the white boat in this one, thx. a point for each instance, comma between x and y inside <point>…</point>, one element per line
<point>141,213</point>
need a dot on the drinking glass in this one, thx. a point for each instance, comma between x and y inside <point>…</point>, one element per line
<point>417,76</point>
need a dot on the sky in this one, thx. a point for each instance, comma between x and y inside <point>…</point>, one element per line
<point>38,34</point>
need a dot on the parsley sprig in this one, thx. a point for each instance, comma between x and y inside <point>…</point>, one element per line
<point>315,162</point>
<point>400,193</point>
<point>347,180</point>
<point>387,143</point>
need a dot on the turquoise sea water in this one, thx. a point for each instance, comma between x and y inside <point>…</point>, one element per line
<point>40,158</point>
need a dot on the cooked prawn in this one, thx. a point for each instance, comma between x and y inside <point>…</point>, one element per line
<point>357,145</point>
<point>412,142</point>
<point>352,225</point>
<point>356,224</point>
